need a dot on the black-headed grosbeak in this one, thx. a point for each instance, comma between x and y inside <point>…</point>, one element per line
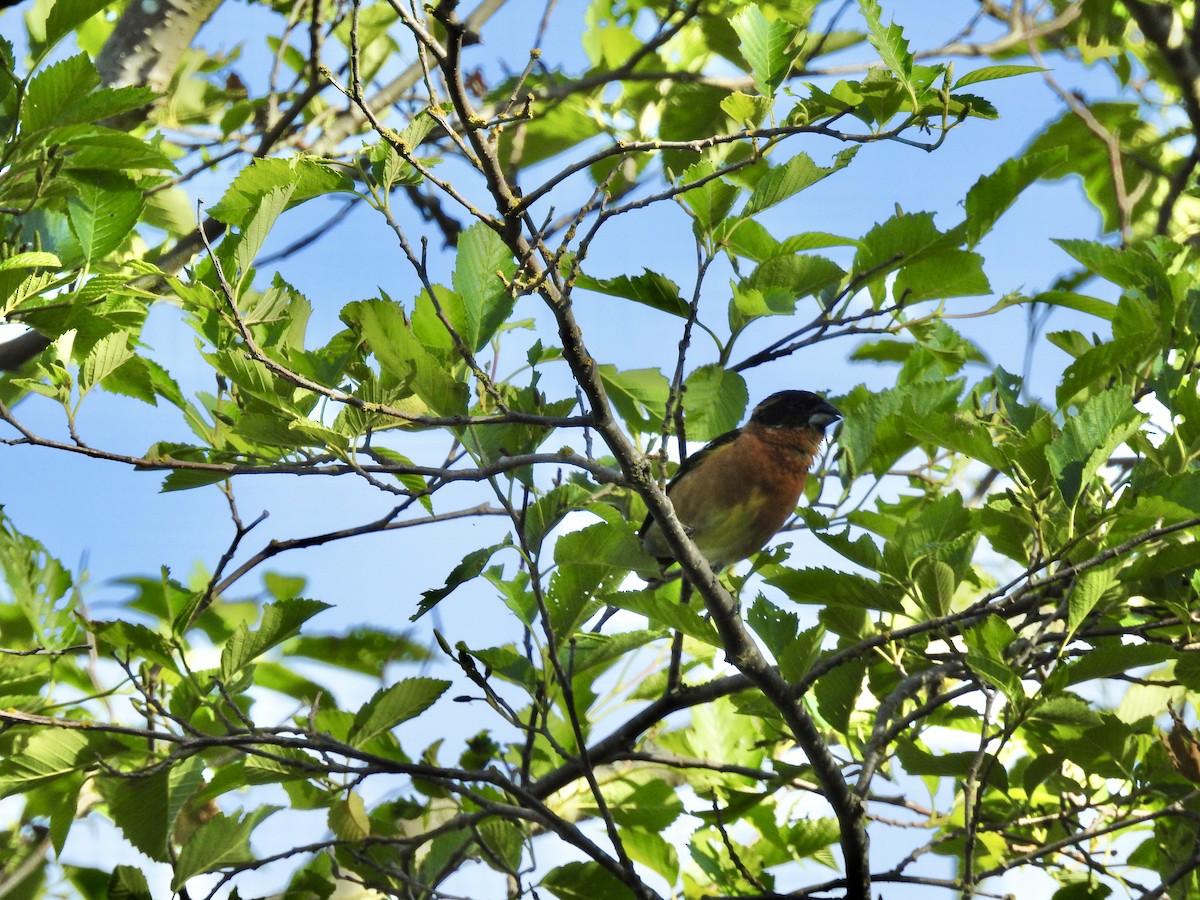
<point>738,491</point>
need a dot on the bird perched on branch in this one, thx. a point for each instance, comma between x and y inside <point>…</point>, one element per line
<point>738,491</point>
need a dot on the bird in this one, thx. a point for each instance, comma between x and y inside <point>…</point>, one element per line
<point>738,491</point>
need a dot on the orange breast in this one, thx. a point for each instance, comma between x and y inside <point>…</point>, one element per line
<point>739,496</point>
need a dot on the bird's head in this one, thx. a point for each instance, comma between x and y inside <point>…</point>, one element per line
<point>795,409</point>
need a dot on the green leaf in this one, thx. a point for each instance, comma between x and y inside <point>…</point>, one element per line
<point>483,265</point>
<point>53,91</point>
<point>900,241</point>
<point>279,622</point>
<point>29,260</point>
<point>837,693</point>
<point>987,644</point>
<point>128,883</point>
<point>667,613</point>
<point>823,587</point>
<point>891,45</point>
<point>746,109</point>
<point>808,837</point>
<point>640,396</point>
<point>585,881</point>
<point>306,177</point>
<point>348,818</point>
<point>67,15</point>
<point>108,355</point>
<point>640,800</point>
<point>124,637</point>
<point>1089,438</point>
<point>138,805</point>
<point>798,173</point>
<point>590,561</point>
<point>650,289</point>
<point>794,276</point>
<point>775,626</point>
<point>1093,306</point>
<point>471,566</point>
<point>1086,593</point>
<point>714,401</point>
<point>548,510</point>
<point>992,194</point>
<point>270,206</point>
<point>1131,267</point>
<point>950,273</point>
<point>400,354</point>
<point>103,212</point>
<point>47,756</point>
<point>766,46</point>
<point>393,705</point>
<point>222,840</point>
<point>654,851</point>
<point>103,148</point>
<point>935,582</point>
<point>990,73</point>
<point>709,202</point>
<point>505,839</point>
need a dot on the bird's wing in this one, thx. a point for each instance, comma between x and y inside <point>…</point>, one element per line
<point>692,462</point>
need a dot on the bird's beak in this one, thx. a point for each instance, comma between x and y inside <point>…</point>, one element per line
<point>823,415</point>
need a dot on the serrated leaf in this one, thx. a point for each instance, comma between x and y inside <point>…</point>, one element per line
<point>279,622</point>
<point>899,241</point>
<point>766,46</point>
<point>139,807</point>
<point>650,289</point>
<point>992,194</point>
<point>1089,438</point>
<point>125,636</point>
<point>548,510</point>
<point>404,358</point>
<point>307,178</point>
<point>1093,306</point>
<point>46,756</point>
<point>1086,593</point>
<point>936,583</point>
<point>793,176</point>
<point>128,883</point>
<point>640,396</point>
<point>54,90</point>
<point>103,211</point>
<point>393,705</point>
<point>348,818</point>
<point>483,265</point>
<point>794,276</point>
<point>667,613</point>
<point>108,355</point>
<point>950,273</point>
<point>471,566</point>
<point>103,148</point>
<point>837,693</point>
<point>891,45</point>
<point>29,260</point>
<point>776,627</point>
<point>222,840</point>
<point>746,109</point>
<point>808,837</point>
<point>505,839</point>
<point>270,206</point>
<point>714,400</point>
<point>709,202</point>
<point>990,73</point>
<point>67,15</point>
